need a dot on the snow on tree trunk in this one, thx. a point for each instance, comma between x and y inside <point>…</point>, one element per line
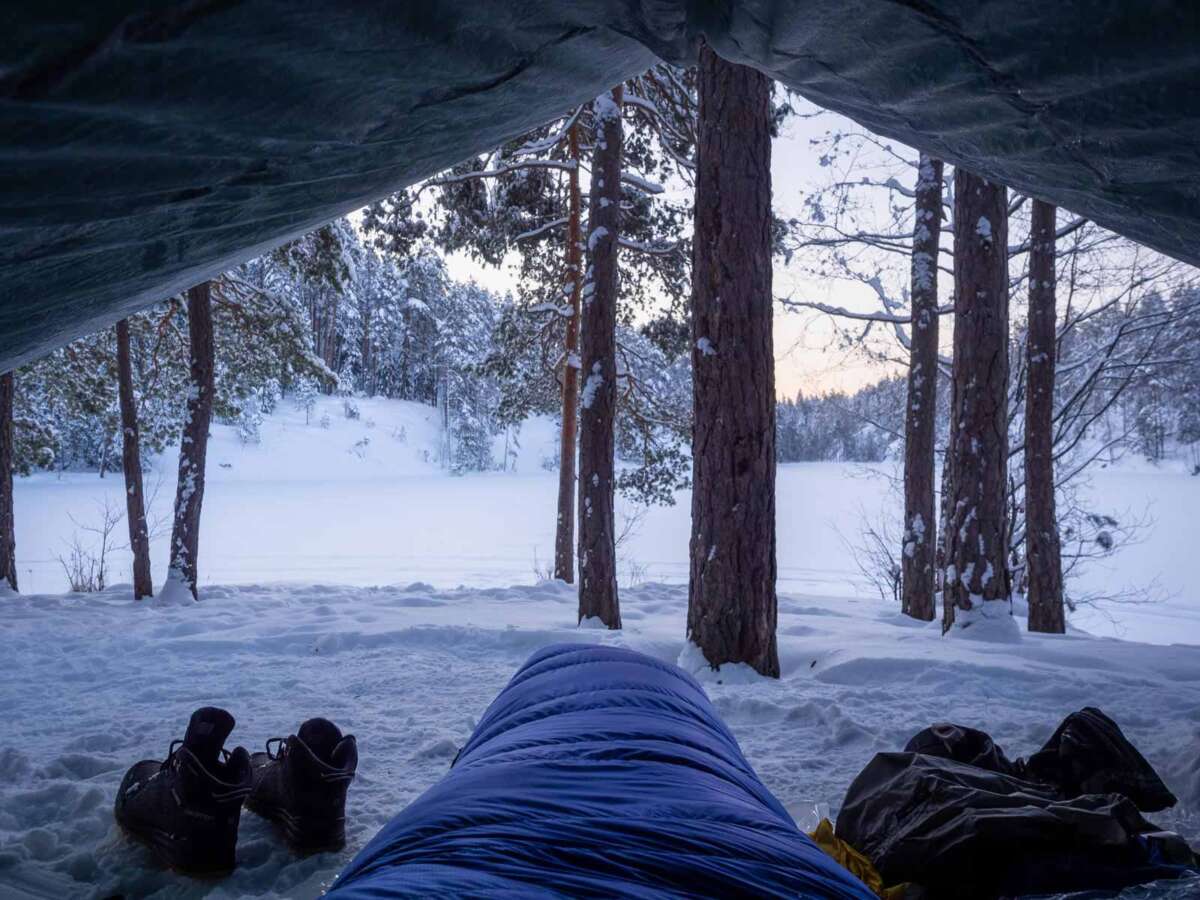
<point>977,533</point>
<point>131,461</point>
<point>8,536</point>
<point>193,449</point>
<point>732,606</point>
<point>918,564</point>
<point>1043,551</point>
<point>597,542</point>
<point>564,535</point>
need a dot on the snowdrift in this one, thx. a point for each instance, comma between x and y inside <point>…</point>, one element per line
<point>597,771</point>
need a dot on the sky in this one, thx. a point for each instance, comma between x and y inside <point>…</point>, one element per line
<point>806,356</point>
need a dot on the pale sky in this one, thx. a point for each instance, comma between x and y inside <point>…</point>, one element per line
<point>804,356</point>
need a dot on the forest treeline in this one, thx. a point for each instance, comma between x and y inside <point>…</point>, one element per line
<point>1033,343</point>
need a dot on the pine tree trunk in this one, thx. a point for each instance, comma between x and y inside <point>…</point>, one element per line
<point>1043,552</point>
<point>977,531</point>
<point>193,450</point>
<point>564,536</point>
<point>917,557</point>
<point>8,534</point>
<point>597,541</point>
<point>731,599</point>
<point>131,461</point>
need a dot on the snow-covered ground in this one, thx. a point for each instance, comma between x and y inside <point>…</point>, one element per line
<point>348,565</point>
<point>364,502</point>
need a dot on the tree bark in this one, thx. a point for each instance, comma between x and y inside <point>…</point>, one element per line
<point>977,532</point>
<point>918,563</point>
<point>8,534</point>
<point>131,461</point>
<point>732,606</point>
<point>1043,550</point>
<point>597,540</point>
<point>564,536</point>
<point>193,450</point>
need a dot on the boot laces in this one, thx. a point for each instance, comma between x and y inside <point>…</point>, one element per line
<point>176,744</point>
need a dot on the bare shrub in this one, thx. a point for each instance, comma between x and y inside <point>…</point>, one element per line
<point>86,561</point>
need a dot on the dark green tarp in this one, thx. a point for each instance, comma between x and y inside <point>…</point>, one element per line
<point>147,145</point>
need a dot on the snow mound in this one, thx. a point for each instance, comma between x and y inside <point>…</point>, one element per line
<point>691,659</point>
<point>991,621</point>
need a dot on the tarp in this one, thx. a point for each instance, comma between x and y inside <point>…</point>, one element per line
<point>597,771</point>
<point>148,144</point>
<point>953,814</point>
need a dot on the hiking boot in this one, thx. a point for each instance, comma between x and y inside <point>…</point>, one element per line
<point>301,785</point>
<point>186,808</point>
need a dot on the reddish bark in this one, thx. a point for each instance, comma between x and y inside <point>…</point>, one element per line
<point>977,530</point>
<point>918,563</point>
<point>131,461</point>
<point>732,607</point>
<point>193,449</point>
<point>8,537</point>
<point>564,535</point>
<point>1043,549</point>
<point>597,542</point>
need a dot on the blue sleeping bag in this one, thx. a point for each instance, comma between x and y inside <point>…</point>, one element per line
<point>597,771</point>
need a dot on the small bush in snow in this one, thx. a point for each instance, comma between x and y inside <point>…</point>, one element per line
<point>542,573</point>
<point>350,408</point>
<point>305,397</point>
<point>249,423</point>
<point>326,422</point>
<point>360,447</point>
<point>86,562</point>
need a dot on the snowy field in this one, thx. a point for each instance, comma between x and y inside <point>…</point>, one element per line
<point>364,503</point>
<point>365,585</point>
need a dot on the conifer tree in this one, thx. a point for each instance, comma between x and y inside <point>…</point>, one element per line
<point>8,537</point>
<point>918,565</point>
<point>193,449</point>
<point>732,607</point>
<point>1043,550</point>
<point>597,540</point>
<point>977,504</point>
<point>131,462</point>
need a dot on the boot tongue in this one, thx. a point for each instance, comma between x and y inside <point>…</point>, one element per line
<point>321,736</point>
<point>206,733</point>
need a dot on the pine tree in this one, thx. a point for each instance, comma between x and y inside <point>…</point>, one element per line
<point>1043,551</point>
<point>8,537</point>
<point>732,607</point>
<point>597,539</point>
<point>193,449</point>
<point>131,463</point>
<point>977,530</point>
<point>920,431</point>
<point>526,196</point>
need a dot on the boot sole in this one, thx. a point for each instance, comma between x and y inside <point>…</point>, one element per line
<point>296,830</point>
<point>165,851</point>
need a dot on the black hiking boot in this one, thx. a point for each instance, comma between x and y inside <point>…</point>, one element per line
<point>301,786</point>
<point>186,808</point>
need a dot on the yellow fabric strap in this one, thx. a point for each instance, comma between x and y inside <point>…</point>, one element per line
<point>854,862</point>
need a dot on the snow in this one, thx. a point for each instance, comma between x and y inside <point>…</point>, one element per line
<point>705,346</point>
<point>983,228</point>
<point>595,380</point>
<point>396,600</point>
<point>598,234</point>
<point>301,506</point>
<point>96,683</point>
<point>606,107</point>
